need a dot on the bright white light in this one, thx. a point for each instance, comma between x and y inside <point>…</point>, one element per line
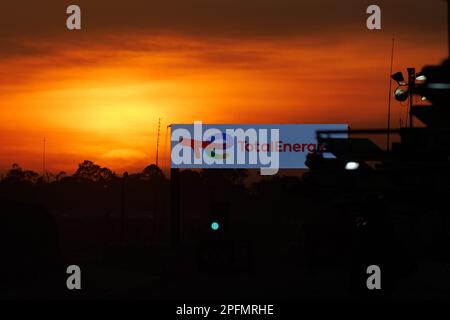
<point>424,98</point>
<point>351,165</point>
<point>421,78</point>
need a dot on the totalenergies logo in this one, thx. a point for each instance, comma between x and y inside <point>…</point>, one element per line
<point>264,146</point>
<point>215,148</point>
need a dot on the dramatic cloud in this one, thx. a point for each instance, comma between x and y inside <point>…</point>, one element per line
<point>98,93</point>
<point>331,19</point>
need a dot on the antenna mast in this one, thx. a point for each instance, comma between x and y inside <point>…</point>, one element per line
<point>43,162</point>
<point>157,141</point>
<point>388,144</point>
<point>165,147</point>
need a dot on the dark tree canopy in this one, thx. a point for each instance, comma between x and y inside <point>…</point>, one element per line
<point>93,172</point>
<point>16,173</point>
<point>152,171</point>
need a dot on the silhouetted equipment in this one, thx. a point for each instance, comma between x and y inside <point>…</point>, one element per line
<point>408,183</point>
<point>398,77</point>
<point>388,135</point>
<point>411,89</point>
<point>401,94</point>
<point>406,90</point>
<point>354,149</point>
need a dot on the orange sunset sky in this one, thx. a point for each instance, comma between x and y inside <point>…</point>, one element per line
<point>97,93</point>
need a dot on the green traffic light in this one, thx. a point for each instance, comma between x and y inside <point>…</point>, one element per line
<point>214,226</point>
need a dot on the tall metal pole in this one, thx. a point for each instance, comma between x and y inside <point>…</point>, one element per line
<point>157,142</point>
<point>448,25</point>
<point>165,148</point>
<point>411,88</point>
<point>43,162</point>
<point>388,144</point>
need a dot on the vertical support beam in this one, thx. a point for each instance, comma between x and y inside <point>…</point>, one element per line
<point>388,136</point>
<point>411,88</point>
<point>448,25</point>
<point>157,142</point>
<point>44,169</point>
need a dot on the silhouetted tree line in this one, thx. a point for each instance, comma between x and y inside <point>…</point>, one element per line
<point>53,219</point>
<point>87,171</point>
<point>96,192</point>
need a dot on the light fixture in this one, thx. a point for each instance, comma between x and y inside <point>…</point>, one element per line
<point>215,226</point>
<point>398,77</point>
<point>421,78</point>
<point>351,165</point>
<point>401,94</point>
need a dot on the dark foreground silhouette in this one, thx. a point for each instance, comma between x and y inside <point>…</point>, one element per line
<point>282,237</point>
